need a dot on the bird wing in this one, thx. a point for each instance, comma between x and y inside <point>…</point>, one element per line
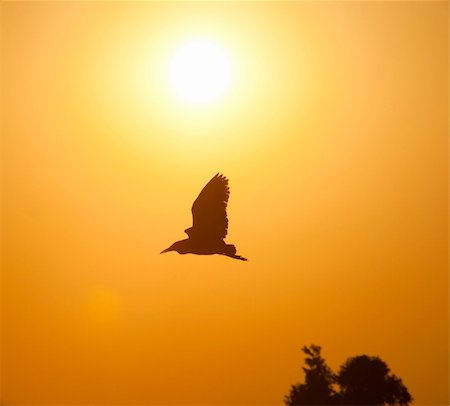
<point>209,211</point>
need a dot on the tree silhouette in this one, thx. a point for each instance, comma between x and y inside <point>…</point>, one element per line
<point>319,380</point>
<point>365,380</point>
<point>362,380</point>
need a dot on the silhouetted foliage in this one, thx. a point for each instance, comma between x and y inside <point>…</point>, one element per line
<point>362,380</point>
<point>366,380</point>
<point>319,380</point>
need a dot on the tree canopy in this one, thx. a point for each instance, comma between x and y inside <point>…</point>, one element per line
<point>361,380</point>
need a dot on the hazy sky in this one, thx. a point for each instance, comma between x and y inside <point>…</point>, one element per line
<point>333,135</point>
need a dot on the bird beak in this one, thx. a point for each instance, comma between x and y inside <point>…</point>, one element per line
<point>166,250</point>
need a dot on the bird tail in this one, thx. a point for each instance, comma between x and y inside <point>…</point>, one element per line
<point>230,251</point>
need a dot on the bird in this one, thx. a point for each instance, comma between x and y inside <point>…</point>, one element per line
<point>210,223</point>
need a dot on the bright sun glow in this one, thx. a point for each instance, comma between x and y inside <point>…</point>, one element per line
<point>200,71</point>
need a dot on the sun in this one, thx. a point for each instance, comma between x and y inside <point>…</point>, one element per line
<point>200,71</point>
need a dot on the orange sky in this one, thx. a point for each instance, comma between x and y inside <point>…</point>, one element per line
<point>333,135</point>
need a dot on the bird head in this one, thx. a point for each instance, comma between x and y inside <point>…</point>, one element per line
<point>179,246</point>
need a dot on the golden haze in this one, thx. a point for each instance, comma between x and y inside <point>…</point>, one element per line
<point>333,135</point>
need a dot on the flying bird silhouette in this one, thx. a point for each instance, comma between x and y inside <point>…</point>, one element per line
<point>210,223</point>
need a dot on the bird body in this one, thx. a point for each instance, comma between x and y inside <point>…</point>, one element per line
<point>210,223</point>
